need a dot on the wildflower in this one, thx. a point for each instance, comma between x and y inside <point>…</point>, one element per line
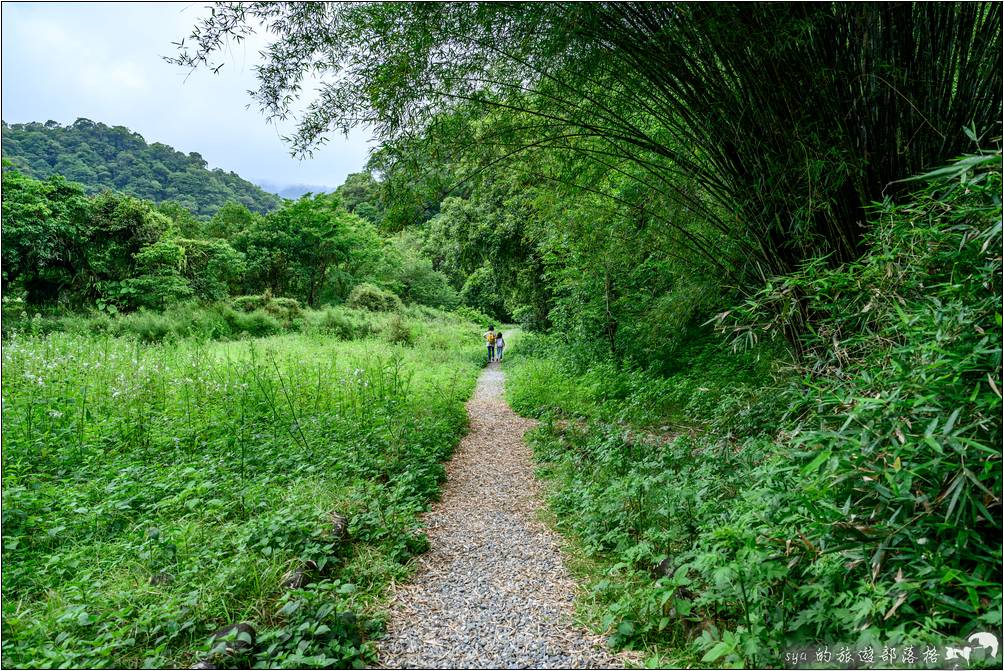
<point>55,414</point>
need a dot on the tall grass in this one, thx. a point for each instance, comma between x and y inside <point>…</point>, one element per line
<point>154,492</point>
<point>221,321</point>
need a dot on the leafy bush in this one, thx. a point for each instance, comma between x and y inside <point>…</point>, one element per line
<point>220,321</point>
<point>256,324</point>
<point>367,296</point>
<point>398,331</point>
<point>901,454</point>
<point>333,321</point>
<point>146,325</point>
<point>283,309</point>
<point>205,321</point>
<point>550,377</point>
<point>474,315</point>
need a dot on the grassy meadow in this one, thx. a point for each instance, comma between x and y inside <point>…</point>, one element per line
<point>154,492</point>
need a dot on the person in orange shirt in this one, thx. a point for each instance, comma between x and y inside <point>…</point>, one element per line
<point>490,339</point>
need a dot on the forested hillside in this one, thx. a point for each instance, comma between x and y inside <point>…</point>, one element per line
<point>114,157</point>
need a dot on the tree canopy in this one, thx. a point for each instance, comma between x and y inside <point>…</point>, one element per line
<point>65,249</point>
<point>707,106</point>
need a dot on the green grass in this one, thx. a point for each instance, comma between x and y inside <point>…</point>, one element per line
<point>550,380</point>
<point>627,502</point>
<point>218,464</point>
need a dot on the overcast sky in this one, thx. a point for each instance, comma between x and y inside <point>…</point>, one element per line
<point>105,62</point>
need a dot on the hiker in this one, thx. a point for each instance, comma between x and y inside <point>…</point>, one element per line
<point>499,346</point>
<point>490,338</point>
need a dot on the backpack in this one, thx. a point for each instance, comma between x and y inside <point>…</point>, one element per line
<point>491,338</point>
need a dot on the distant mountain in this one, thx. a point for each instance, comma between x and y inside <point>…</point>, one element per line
<point>293,191</point>
<point>105,157</point>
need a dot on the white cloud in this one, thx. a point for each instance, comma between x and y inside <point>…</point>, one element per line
<point>122,76</point>
<point>105,62</point>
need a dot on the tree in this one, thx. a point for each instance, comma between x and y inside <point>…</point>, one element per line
<point>158,281</point>
<point>311,247</point>
<point>118,229</point>
<point>183,222</point>
<point>230,220</point>
<point>173,269</point>
<point>43,227</point>
<point>361,195</point>
<point>121,253</point>
<point>413,277</point>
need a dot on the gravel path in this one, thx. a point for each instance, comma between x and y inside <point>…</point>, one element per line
<point>492,592</point>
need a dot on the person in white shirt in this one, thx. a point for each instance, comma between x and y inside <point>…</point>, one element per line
<point>499,346</point>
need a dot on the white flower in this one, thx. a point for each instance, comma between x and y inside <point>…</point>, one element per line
<point>55,414</point>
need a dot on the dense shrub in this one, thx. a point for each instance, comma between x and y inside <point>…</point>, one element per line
<point>145,325</point>
<point>220,321</point>
<point>333,321</point>
<point>398,331</point>
<point>343,323</point>
<point>901,451</point>
<point>475,315</point>
<point>367,296</point>
<point>283,309</point>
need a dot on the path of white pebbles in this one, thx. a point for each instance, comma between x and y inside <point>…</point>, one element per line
<point>492,592</point>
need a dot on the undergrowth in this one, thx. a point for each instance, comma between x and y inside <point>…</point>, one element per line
<point>850,498</point>
<point>245,317</point>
